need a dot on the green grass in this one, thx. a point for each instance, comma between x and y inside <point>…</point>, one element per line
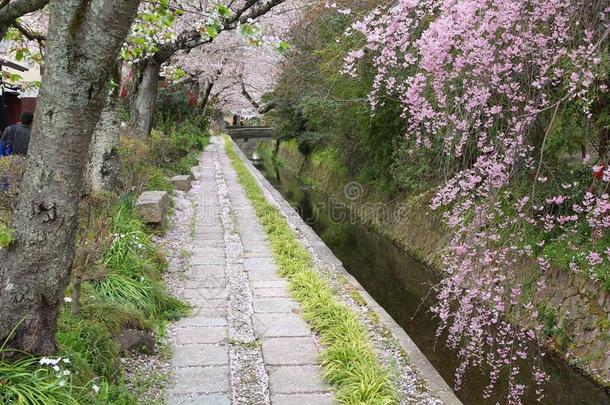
<point>6,235</point>
<point>134,280</point>
<point>348,359</point>
<point>27,382</point>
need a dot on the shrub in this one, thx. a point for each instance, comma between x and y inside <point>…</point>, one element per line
<point>311,141</point>
<point>90,341</point>
<point>159,181</point>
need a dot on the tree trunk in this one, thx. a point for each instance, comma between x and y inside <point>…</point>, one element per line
<point>84,39</point>
<point>204,97</point>
<point>103,168</point>
<point>144,95</point>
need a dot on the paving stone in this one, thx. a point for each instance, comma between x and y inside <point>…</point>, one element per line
<point>200,400</point>
<point>201,380</point>
<point>201,321</point>
<point>201,361</point>
<point>263,275</point>
<point>271,292</point>
<point>198,293</point>
<point>200,355</point>
<point>277,305</point>
<point>250,247</point>
<point>302,399</point>
<point>211,281</point>
<point>296,379</point>
<point>200,335</point>
<point>290,351</point>
<point>209,235</point>
<point>257,263</point>
<point>258,255</point>
<point>207,243</point>
<point>209,312</point>
<point>218,260</point>
<point>207,267</point>
<point>220,303</point>
<point>209,251</point>
<point>278,325</point>
<point>219,275</point>
<point>272,283</point>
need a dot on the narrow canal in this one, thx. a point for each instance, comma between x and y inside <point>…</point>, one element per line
<point>401,285</point>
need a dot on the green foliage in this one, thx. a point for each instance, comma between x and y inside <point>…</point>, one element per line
<point>134,280</point>
<point>311,141</point>
<point>90,341</point>
<point>176,108</point>
<point>131,251</point>
<point>141,294</point>
<point>159,181</point>
<point>113,315</point>
<point>26,382</point>
<point>349,361</point>
<point>6,235</point>
<point>325,108</point>
<point>331,159</point>
<point>552,326</point>
<point>177,150</point>
<point>121,285</point>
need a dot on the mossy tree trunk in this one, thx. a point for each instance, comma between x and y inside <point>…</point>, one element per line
<point>144,95</point>
<point>84,39</point>
<point>103,166</point>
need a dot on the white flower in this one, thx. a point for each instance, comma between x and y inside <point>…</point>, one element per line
<point>46,361</point>
<point>95,388</point>
<point>67,299</point>
<point>66,360</point>
<point>56,368</point>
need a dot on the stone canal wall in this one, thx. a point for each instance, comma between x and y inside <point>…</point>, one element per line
<point>578,309</point>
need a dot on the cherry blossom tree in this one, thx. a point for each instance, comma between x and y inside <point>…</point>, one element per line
<point>83,41</point>
<point>198,25</point>
<point>475,80</point>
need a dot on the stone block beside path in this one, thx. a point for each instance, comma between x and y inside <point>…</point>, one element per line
<point>195,172</point>
<point>151,207</point>
<point>182,183</point>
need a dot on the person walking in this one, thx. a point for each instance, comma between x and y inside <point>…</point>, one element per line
<point>16,137</point>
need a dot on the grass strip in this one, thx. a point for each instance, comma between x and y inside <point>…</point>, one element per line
<point>348,359</point>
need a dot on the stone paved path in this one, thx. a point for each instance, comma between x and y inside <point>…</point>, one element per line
<point>245,342</point>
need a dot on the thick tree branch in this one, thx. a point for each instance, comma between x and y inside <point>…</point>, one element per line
<point>12,10</point>
<point>15,9</point>
<point>29,34</point>
<point>261,109</point>
<point>190,39</point>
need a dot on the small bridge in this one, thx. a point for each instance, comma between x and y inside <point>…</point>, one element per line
<point>255,134</point>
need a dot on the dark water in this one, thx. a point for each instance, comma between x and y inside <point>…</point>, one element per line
<point>401,285</point>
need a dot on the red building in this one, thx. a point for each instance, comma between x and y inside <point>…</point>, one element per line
<point>11,104</point>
